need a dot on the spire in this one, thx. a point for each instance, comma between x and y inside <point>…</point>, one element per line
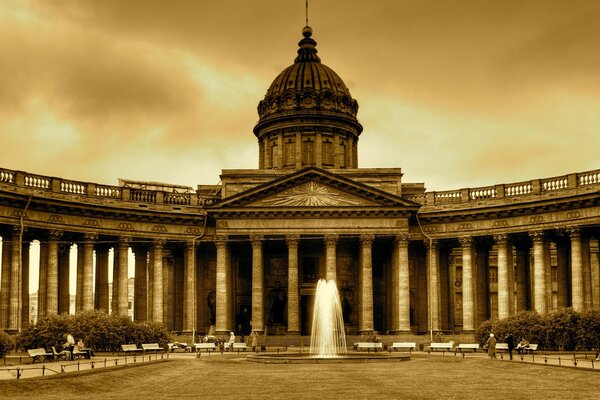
<point>307,51</point>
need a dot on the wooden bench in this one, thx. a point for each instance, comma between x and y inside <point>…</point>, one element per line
<point>151,347</point>
<point>85,353</point>
<point>441,346</point>
<point>410,346</point>
<point>205,346</point>
<point>130,348</point>
<point>369,346</point>
<point>39,354</point>
<point>468,346</point>
<point>179,346</point>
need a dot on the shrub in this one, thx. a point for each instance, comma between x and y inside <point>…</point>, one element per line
<point>97,329</point>
<point>6,343</point>
<point>564,330</point>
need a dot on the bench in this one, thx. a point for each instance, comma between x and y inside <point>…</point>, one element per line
<point>130,348</point>
<point>530,348</point>
<point>179,346</point>
<point>238,346</point>
<point>468,346</point>
<point>368,346</point>
<point>39,354</point>
<point>205,346</point>
<point>441,346</point>
<point>403,345</point>
<point>151,347</point>
<point>501,346</point>
<point>85,353</point>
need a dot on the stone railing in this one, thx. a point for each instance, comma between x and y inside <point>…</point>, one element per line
<point>533,187</point>
<point>96,191</point>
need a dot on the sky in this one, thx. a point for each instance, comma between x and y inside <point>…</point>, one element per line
<point>456,93</point>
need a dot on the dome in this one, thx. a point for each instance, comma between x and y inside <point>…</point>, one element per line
<point>307,86</point>
<point>307,117</point>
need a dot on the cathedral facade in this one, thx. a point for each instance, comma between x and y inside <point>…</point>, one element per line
<point>246,254</point>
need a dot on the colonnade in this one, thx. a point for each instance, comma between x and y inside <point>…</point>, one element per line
<point>529,276</point>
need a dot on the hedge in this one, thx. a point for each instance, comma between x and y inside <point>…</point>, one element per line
<point>6,343</point>
<point>97,329</point>
<point>564,330</point>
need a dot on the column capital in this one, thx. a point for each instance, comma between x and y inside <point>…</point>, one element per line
<point>90,236</point>
<point>501,238</point>
<point>220,240</point>
<point>190,244</point>
<point>292,240</point>
<point>16,229</point>
<point>159,243</point>
<point>367,239</point>
<point>124,241</point>
<point>54,234</point>
<point>402,239</point>
<point>466,242</point>
<point>257,239</point>
<point>431,243</point>
<point>331,239</point>
<point>574,232</point>
<point>537,236</point>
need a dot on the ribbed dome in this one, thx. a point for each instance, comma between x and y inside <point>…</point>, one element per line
<point>307,85</point>
<point>308,117</point>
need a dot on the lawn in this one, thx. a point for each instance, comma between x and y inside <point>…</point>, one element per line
<point>230,377</point>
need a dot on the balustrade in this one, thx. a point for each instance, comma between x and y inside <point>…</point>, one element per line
<point>178,199</point>
<point>452,196</point>
<point>482,193</point>
<point>7,176</point>
<point>143,196</point>
<point>73,187</point>
<point>36,181</point>
<point>108,191</point>
<point>588,178</point>
<point>557,183</point>
<point>518,189</point>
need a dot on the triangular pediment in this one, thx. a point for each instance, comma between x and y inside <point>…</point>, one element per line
<point>312,194</point>
<point>313,188</point>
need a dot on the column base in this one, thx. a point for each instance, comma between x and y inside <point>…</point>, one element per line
<point>292,333</point>
<point>399,332</point>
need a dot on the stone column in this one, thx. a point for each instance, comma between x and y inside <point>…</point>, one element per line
<point>330,257</point>
<point>468,299</point>
<point>43,280</point>
<point>114,298</point>
<point>365,315</point>
<point>595,272</point>
<point>577,294</point>
<point>88,270</point>
<point>52,281</point>
<point>101,292</point>
<point>189,294</point>
<point>14,309</point>
<point>503,277</point>
<point>157,280</point>
<point>123,297</point>
<point>258,321</point>
<point>79,278</point>
<point>140,302</point>
<point>64,272</point>
<point>434,284</point>
<point>522,257</point>
<point>222,286</point>
<point>400,285</point>
<point>539,272</point>
<point>5,282</point>
<point>293,294</point>
<point>561,272</point>
<point>25,305</point>
<point>587,273</point>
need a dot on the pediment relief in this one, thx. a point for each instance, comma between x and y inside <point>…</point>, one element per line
<point>312,194</point>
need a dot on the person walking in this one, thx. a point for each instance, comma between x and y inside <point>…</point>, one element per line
<point>491,345</point>
<point>510,341</point>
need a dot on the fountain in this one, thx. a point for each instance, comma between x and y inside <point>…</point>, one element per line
<point>328,339</point>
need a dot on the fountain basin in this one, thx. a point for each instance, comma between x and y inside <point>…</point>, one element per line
<point>278,358</point>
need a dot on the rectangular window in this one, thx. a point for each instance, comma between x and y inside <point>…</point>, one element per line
<point>343,155</point>
<point>290,153</point>
<point>308,152</point>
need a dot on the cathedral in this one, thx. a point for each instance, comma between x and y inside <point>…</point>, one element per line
<point>245,255</point>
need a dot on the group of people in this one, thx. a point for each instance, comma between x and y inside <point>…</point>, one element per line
<point>69,346</point>
<point>491,345</point>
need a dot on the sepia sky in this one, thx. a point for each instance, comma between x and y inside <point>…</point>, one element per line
<point>457,93</point>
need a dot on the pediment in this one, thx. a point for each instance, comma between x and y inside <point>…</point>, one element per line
<point>313,188</point>
<point>312,194</point>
